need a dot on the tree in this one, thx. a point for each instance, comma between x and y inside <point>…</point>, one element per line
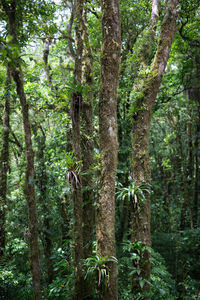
<point>82,125</point>
<point>4,163</point>
<point>110,60</point>
<point>143,104</point>
<point>16,71</point>
<point>67,93</point>
<point>43,198</point>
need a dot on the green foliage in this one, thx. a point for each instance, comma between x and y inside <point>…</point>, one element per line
<point>162,286</point>
<point>73,169</point>
<point>137,251</point>
<point>182,255</point>
<point>174,116</point>
<point>71,163</point>
<point>97,270</point>
<point>14,285</point>
<point>134,193</point>
<point>8,50</point>
<point>62,285</point>
<point>15,279</point>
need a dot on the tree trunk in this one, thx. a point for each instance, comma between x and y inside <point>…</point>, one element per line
<point>11,12</point>
<point>4,163</point>
<point>42,182</point>
<point>45,59</point>
<point>110,60</point>
<point>196,183</point>
<point>87,148</point>
<point>140,141</point>
<point>77,189</point>
<point>29,185</point>
<point>194,95</point>
<point>87,144</point>
<point>83,149</point>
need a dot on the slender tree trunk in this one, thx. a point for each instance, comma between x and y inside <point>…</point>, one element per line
<point>81,110</point>
<point>42,182</point>
<point>29,185</point>
<point>17,75</point>
<point>140,141</point>
<point>78,203</point>
<point>64,203</point>
<point>196,183</point>
<point>194,95</point>
<point>110,60</point>
<point>4,163</point>
<point>187,170</point>
<point>11,12</point>
<point>45,59</point>
<point>87,144</point>
<point>77,189</point>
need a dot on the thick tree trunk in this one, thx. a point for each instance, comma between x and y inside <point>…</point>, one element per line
<point>4,163</point>
<point>110,60</point>
<point>140,141</point>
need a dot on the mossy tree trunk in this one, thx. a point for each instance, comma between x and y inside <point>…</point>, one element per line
<point>4,163</point>
<point>17,74</point>
<point>110,61</point>
<point>76,137</point>
<point>82,113</point>
<point>140,141</point>
<point>29,185</point>
<point>87,143</point>
<point>42,184</point>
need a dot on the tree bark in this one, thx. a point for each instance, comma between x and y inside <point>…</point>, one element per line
<point>45,59</point>
<point>140,140</point>
<point>16,71</point>
<point>77,189</point>
<point>110,61</point>
<point>87,143</point>
<point>83,148</point>
<point>42,182</point>
<point>4,164</point>
<point>196,183</point>
<point>194,95</point>
<point>29,185</point>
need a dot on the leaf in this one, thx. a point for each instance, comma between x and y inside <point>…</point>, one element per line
<point>141,283</point>
<point>9,38</point>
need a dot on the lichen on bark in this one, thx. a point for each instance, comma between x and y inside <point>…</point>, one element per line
<point>110,60</point>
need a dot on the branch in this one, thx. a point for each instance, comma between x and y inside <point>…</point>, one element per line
<point>69,30</point>
<point>194,43</point>
<point>16,141</point>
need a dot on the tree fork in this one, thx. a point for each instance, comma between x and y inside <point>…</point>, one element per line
<point>140,139</point>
